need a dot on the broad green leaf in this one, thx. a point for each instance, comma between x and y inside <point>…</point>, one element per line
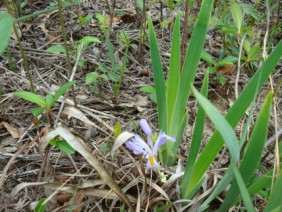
<point>237,15</point>
<point>117,130</point>
<point>100,18</point>
<point>196,140</point>
<point>253,53</point>
<point>89,39</point>
<point>231,29</point>
<point>148,89</point>
<point>229,58</point>
<point>275,203</point>
<point>111,50</point>
<point>36,111</point>
<point>56,49</point>
<point>250,10</point>
<point>31,97</point>
<point>91,78</point>
<point>174,70</point>
<point>207,57</point>
<point>221,125</point>
<point>113,76</point>
<point>61,91</point>
<point>253,152</point>
<point>86,19</point>
<point>65,147</point>
<point>40,207</point>
<point>189,69</point>
<point>234,115</point>
<point>6,28</point>
<point>159,79</point>
<point>246,45</point>
<point>49,100</point>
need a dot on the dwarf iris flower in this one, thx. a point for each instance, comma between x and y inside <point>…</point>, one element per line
<point>150,150</point>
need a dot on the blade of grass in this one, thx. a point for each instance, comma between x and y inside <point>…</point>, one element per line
<point>158,77</point>
<point>196,139</point>
<point>234,115</point>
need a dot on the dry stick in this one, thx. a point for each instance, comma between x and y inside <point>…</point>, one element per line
<point>25,63</point>
<point>71,78</point>
<point>238,68</point>
<point>65,44</point>
<point>185,33</point>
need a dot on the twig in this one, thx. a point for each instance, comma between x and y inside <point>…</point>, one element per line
<point>239,66</point>
<point>71,78</point>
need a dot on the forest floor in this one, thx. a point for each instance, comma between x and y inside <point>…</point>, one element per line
<point>98,111</point>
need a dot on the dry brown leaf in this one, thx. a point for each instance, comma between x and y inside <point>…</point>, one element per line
<point>121,139</point>
<point>80,147</point>
<point>116,20</point>
<point>14,132</point>
<point>42,144</point>
<point>227,69</point>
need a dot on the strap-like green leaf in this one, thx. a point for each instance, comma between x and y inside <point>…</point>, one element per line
<point>158,77</point>
<point>190,65</point>
<point>196,140</point>
<point>253,152</point>
<point>221,124</point>
<point>174,70</point>
<point>275,203</point>
<point>31,97</point>
<point>234,115</point>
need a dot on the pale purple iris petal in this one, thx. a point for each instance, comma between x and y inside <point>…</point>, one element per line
<point>162,138</point>
<point>133,147</point>
<point>138,146</point>
<point>145,127</point>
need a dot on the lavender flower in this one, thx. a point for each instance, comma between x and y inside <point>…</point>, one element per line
<point>139,146</point>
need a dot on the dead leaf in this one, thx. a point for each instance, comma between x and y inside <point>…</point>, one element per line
<point>14,132</point>
<point>121,139</point>
<point>42,144</point>
<point>116,20</point>
<point>227,69</point>
<point>80,147</point>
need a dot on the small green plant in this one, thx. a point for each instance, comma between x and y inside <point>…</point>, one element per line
<point>150,90</point>
<point>215,66</point>
<point>40,207</point>
<point>47,103</point>
<point>62,145</point>
<point>116,71</point>
<point>6,28</point>
<point>86,40</point>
